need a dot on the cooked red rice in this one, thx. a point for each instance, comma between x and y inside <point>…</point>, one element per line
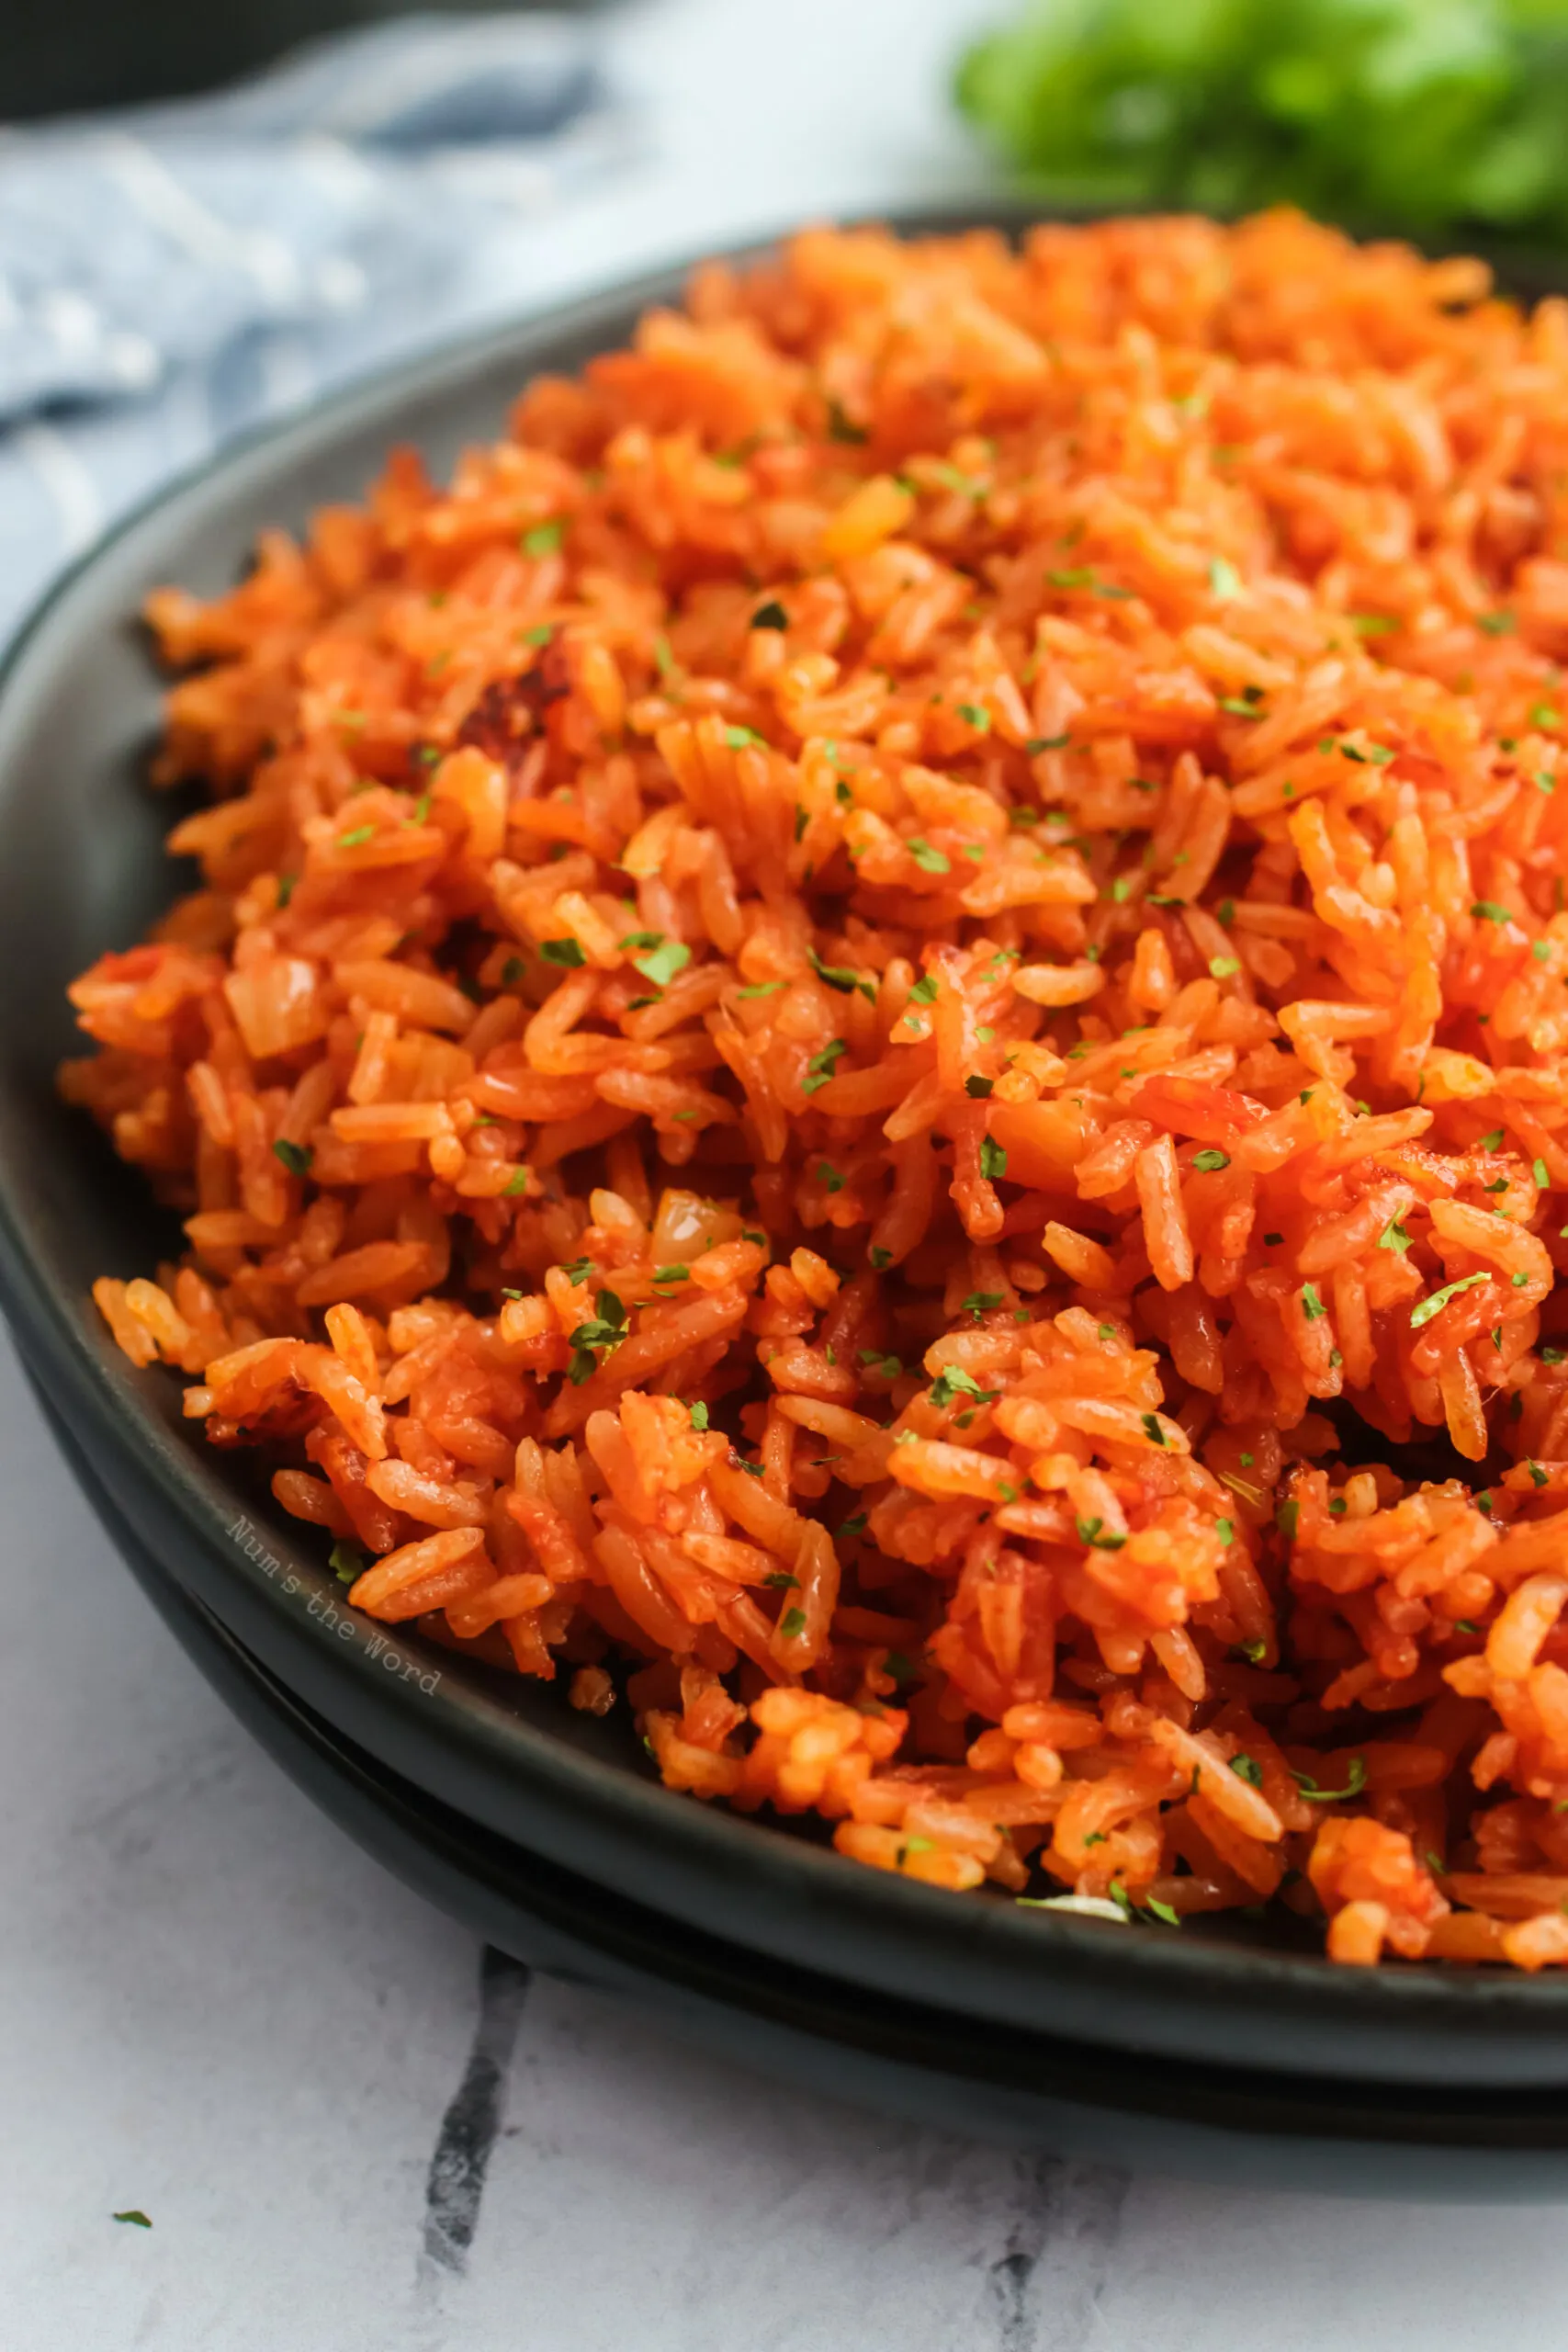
<point>864,1011</point>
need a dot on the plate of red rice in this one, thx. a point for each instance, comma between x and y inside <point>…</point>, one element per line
<point>861,1081</point>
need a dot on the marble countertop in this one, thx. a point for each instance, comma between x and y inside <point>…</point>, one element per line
<point>219,2012</point>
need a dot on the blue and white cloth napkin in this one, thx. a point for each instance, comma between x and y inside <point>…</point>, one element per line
<point>172,274</point>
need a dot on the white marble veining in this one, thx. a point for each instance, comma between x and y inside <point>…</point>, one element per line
<point>217,2010</point>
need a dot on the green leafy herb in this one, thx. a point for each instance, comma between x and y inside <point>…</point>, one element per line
<point>357,838</point>
<point>133,2213</point>
<point>819,1069</point>
<point>663,962</point>
<point>1210,1162</point>
<point>929,860</point>
<point>515,1183</point>
<point>792,1623</point>
<point>993,1159</point>
<point>1152,1428</point>
<point>566,952</point>
<point>1288,1519</point>
<point>763,988</point>
<point>1225,580</point>
<point>1488,910</point>
<point>596,1338</point>
<point>1425,1308</point>
<point>954,1381</point>
<point>1224,968</point>
<point>544,538</point>
<point>769,616</point>
<point>978,1087</point>
<point>286,885</point>
<point>1247,1768</point>
<point>880,1258</point>
<point>974,716</point>
<point>1095,1533</point>
<point>1038,743</point>
<point>296,1156</point>
<point>1253,1651</point>
<point>1355,1781</point>
<point>1313,1306</point>
<point>540,634</point>
<point>347,1562</point>
<point>840,977</point>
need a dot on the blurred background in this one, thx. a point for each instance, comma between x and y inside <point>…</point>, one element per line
<point>211,214</point>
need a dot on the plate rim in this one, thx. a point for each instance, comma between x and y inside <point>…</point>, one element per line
<point>1027,1964</point>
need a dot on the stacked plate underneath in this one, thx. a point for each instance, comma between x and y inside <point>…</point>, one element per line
<point>1195,2051</point>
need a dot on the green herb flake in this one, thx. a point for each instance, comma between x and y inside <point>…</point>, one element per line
<point>1247,1768</point>
<point>540,634</point>
<point>1038,743</point>
<point>134,2214</point>
<point>661,963</point>
<point>1355,1781</point>
<point>929,860</point>
<point>1225,580</point>
<point>1225,1530</point>
<point>880,1258</point>
<point>1313,1306</point>
<point>1488,910</point>
<point>976,715</point>
<point>993,1159</point>
<point>792,1623</point>
<point>1152,1428</point>
<point>819,1069</point>
<point>1223,968</point>
<point>955,1381</point>
<point>566,954</point>
<point>357,838</point>
<point>1287,1518</point>
<point>1425,1308</point>
<point>544,538</point>
<point>296,1156</point>
<point>1210,1162</point>
<point>841,977</point>
<point>347,1562</point>
<point>769,616</point>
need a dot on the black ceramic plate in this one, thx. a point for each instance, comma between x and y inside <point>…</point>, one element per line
<point>1238,2127</point>
<point>82,868</point>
